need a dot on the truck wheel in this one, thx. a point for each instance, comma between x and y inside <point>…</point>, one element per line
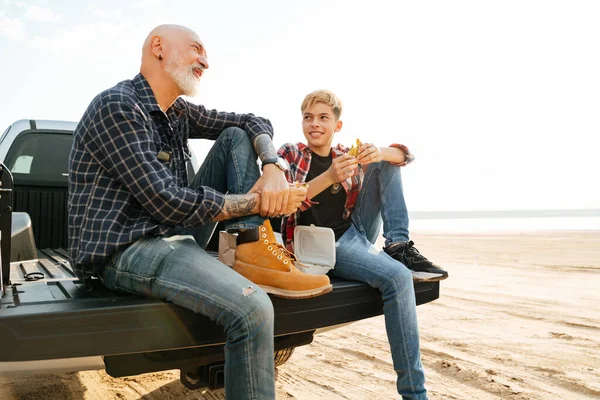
<point>281,356</point>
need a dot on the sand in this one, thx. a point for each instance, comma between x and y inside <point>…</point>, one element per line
<point>519,318</point>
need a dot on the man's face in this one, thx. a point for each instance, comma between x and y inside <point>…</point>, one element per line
<point>319,125</point>
<point>186,63</point>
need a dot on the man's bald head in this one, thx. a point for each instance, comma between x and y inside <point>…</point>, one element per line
<point>170,34</point>
<point>174,53</point>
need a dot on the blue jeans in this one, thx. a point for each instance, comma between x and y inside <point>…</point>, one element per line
<point>176,268</point>
<point>381,200</point>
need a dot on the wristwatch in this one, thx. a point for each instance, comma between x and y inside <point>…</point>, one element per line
<point>281,163</point>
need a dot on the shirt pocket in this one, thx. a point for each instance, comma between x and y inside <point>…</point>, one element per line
<point>164,155</point>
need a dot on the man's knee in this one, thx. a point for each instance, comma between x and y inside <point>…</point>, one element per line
<point>233,132</point>
<point>258,308</point>
<point>235,136</point>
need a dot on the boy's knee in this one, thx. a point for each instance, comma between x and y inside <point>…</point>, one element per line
<point>388,168</point>
<point>400,280</point>
<point>382,169</point>
<point>404,276</point>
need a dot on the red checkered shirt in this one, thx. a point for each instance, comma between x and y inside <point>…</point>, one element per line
<point>299,157</point>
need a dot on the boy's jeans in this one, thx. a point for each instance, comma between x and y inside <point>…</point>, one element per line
<point>381,197</point>
<point>176,268</point>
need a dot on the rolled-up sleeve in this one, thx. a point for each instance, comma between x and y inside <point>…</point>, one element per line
<point>122,144</point>
<point>407,153</point>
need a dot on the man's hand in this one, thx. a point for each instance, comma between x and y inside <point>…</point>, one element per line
<point>342,168</point>
<point>295,199</point>
<point>274,191</point>
<point>369,153</point>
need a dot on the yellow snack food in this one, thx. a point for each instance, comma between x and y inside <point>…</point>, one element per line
<point>299,184</point>
<point>354,149</point>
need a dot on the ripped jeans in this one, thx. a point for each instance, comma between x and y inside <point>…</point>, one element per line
<point>176,268</point>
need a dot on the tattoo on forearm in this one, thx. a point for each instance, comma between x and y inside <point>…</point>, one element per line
<point>264,146</point>
<point>238,205</point>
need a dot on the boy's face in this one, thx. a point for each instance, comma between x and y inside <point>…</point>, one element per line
<point>319,125</point>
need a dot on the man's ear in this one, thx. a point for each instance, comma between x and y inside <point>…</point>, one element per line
<point>156,45</point>
<point>338,126</point>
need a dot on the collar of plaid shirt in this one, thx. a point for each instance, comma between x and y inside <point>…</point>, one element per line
<point>150,104</point>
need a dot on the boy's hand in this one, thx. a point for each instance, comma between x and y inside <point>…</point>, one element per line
<point>296,197</point>
<point>369,153</point>
<point>342,168</point>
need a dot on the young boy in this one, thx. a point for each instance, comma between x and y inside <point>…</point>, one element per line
<point>353,196</point>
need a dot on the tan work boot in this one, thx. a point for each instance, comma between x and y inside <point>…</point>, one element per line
<point>271,266</point>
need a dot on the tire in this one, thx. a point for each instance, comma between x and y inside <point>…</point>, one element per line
<point>281,356</point>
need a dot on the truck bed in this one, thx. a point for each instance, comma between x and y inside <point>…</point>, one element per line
<point>55,317</point>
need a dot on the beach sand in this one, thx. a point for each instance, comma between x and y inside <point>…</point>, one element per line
<point>519,318</point>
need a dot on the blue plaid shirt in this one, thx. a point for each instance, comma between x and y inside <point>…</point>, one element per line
<point>127,170</point>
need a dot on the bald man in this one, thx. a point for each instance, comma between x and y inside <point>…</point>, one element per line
<point>135,223</point>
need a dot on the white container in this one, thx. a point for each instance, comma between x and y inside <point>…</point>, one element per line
<point>314,248</point>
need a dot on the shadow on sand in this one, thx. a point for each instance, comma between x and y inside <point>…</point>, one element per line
<point>175,390</point>
<point>46,387</point>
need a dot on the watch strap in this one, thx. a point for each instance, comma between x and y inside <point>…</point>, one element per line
<point>269,160</point>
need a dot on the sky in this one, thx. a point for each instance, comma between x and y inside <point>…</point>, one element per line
<point>498,100</point>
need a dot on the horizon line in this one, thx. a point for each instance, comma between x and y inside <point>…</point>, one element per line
<point>521,213</point>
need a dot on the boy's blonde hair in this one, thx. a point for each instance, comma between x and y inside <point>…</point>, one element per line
<point>325,97</point>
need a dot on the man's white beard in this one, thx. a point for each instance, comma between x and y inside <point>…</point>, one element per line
<point>183,75</point>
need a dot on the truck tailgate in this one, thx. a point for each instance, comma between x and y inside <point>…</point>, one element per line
<point>55,317</point>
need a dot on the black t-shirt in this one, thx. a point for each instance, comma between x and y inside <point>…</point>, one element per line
<point>332,201</point>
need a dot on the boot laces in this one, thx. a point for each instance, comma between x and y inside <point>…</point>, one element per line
<point>278,250</point>
<point>281,252</point>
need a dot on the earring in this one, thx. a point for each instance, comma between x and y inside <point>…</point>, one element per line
<point>160,57</point>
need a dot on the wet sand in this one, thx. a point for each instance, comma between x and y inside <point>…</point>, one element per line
<point>519,318</point>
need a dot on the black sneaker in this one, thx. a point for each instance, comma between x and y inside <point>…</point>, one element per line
<point>422,269</point>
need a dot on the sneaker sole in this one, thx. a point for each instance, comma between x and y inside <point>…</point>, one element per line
<point>419,276</point>
<point>296,294</point>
